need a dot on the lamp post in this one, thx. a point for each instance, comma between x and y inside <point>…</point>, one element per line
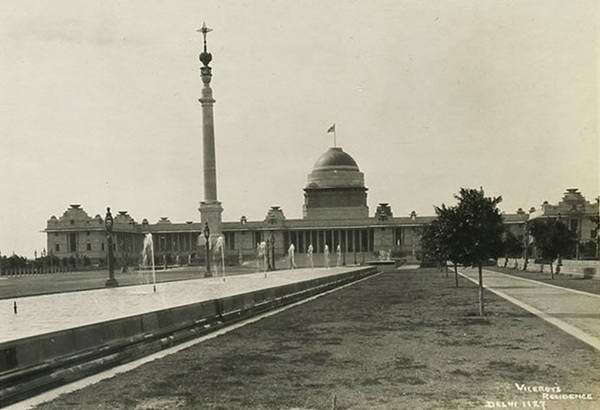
<point>526,247</point>
<point>272,251</point>
<point>108,224</point>
<point>558,257</point>
<point>207,244</point>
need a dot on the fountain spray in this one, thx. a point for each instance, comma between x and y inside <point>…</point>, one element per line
<point>149,244</point>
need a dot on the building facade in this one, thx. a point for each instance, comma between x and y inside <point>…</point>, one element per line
<point>580,216</point>
<point>335,213</point>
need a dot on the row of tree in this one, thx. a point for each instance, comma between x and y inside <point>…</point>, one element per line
<point>471,233</point>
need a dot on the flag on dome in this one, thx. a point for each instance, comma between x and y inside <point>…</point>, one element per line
<point>331,129</point>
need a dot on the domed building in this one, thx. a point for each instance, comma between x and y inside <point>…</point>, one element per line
<point>335,188</point>
<point>335,213</point>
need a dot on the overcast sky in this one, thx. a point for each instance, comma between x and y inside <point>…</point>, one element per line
<point>98,104</point>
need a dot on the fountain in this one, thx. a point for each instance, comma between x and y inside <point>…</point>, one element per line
<point>292,261</point>
<point>309,251</point>
<point>258,256</point>
<point>338,250</point>
<point>326,256</point>
<point>149,249</point>
<point>262,254</point>
<point>384,261</point>
<point>219,247</point>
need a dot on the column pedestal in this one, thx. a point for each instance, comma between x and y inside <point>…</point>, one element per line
<point>211,213</point>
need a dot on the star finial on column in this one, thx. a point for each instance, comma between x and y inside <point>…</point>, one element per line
<point>205,57</point>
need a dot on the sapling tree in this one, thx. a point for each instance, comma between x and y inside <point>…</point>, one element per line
<point>449,228</point>
<point>434,244</point>
<point>479,231</point>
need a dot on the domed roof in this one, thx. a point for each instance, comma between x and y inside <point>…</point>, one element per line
<point>335,158</point>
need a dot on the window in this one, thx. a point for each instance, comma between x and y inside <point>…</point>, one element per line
<point>230,240</point>
<point>57,247</point>
<point>351,241</point>
<point>574,225</point>
<point>102,247</point>
<point>88,233</point>
<point>300,242</point>
<point>73,242</point>
<point>89,246</point>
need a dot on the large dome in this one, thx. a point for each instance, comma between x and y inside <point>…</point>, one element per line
<point>336,188</point>
<point>335,169</point>
<point>335,158</point>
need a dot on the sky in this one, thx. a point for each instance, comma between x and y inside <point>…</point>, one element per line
<point>99,104</point>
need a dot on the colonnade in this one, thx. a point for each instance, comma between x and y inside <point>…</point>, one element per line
<point>350,240</point>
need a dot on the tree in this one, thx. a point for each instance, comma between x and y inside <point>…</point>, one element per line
<point>449,228</point>
<point>12,262</point>
<point>596,232</point>
<point>512,246</point>
<point>479,231</point>
<point>434,244</point>
<point>552,238</point>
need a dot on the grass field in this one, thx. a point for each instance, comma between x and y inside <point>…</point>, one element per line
<point>404,340</point>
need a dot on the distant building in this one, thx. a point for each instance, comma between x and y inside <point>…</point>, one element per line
<point>577,213</point>
<point>335,212</point>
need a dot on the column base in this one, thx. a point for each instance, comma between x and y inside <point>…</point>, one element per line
<point>211,212</point>
<point>112,283</point>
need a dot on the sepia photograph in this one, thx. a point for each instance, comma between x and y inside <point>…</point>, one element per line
<point>300,205</point>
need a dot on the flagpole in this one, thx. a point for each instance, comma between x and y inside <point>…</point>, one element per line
<point>332,129</point>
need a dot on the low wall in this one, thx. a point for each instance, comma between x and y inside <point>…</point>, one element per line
<point>586,269</point>
<point>570,267</point>
<point>45,350</point>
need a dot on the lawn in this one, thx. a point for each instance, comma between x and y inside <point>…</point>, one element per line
<point>404,340</point>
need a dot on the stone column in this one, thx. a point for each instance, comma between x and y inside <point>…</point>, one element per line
<point>210,209</point>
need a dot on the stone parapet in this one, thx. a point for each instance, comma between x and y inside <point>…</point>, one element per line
<point>570,267</point>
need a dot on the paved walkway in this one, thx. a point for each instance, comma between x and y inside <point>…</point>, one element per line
<point>575,312</point>
<point>49,313</point>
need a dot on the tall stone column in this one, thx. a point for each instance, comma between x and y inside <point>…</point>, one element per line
<point>210,209</point>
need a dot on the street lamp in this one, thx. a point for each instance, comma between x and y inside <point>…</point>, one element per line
<point>207,244</point>
<point>558,257</point>
<point>108,224</point>
<point>526,246</point>
<point>272,239</point>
